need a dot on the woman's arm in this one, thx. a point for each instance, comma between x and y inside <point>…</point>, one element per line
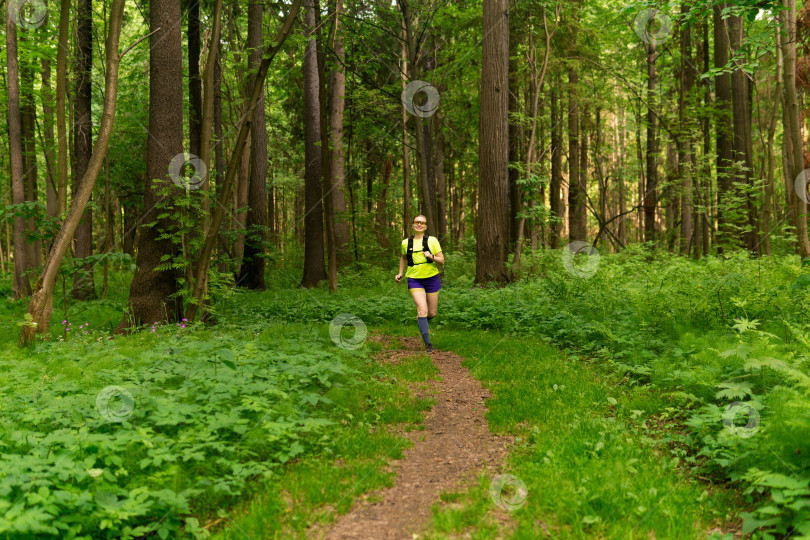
<point>402,263</point>
<point>438,257</point>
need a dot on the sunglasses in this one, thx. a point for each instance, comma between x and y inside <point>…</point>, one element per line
<point>420,222</point>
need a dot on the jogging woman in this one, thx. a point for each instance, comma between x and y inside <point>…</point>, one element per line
<point>420,257</point>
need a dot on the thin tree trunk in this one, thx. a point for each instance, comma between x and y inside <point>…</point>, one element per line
<point>337,86</point>
<point>576,197</point>
<point>61,91</point>
<point>42,300</point>
<point>194,80</point>
<point>83,281</point>
<point>555,203</point>
<point>21,286</point>
<point>685,156</point>
<point>650,191</point>
<point>30,171</point>
<point>48,142</point>
<point>406,159</point>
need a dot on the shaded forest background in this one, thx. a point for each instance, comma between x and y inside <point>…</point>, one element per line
<point>196,143</point>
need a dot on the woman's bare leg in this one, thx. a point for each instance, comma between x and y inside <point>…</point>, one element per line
<point>419,299</point>
<point>432,304</point>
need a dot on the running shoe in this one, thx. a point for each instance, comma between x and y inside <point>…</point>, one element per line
<point>430,348</point>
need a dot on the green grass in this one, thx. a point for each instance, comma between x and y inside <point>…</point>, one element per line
<point>593,465</point>
<point>319,487</point>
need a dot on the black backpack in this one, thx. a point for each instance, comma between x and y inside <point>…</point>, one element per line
<point>425,246</point>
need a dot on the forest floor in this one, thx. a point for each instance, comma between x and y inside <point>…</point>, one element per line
<point>454,446</point>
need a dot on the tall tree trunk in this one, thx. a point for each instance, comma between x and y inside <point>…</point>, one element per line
<point>441,185</point>
<point>725,152</point>
<point>576,196</point>
<point>794,148</point>
<point>83,282</point>
<point>406,159</point>
<point>52,202</point>
<point>201,268</point>
<point>152,289</point>
<point>555,203</point>
<point>651,189</point>
<point>492,227</point>
<point>326,158</point>
<point>742,145</point>
<point>61,91</point>
<point>314,264</point>
<point>337,86</point>
<point>42,300</point>
<point>685,171</point>
<point>31,174</point>
<point>514,132</point>
<point>253,262</point>
<point>21,286</point>
<point>769,149</point>
<point>194,80</point>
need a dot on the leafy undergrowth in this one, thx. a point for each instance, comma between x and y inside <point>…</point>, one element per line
<point>726,339</point>
<point>312,492</point>
<point>163,432</point>
<point>589,451</point>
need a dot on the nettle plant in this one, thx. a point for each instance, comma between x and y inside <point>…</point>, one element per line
<point>769,399</point>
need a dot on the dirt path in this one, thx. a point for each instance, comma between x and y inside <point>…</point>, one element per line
<point>454,446</point>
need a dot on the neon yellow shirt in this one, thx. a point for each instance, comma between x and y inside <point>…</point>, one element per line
<point>422,270</point>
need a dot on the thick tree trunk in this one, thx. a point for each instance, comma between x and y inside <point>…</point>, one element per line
<point>326,158</point>
<point>792,127</point>
<point>253,261</point>
<point>151,291</point>
<point>314,263</point>
<point>42,300</point>
<point>61,92</point>
<point>21,286</point>
<point>725,152</point>
<point>83,282</point>
<point>492,227</point>
<point>742,145</point>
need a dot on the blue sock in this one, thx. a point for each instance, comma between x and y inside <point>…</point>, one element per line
<point>423,329</point>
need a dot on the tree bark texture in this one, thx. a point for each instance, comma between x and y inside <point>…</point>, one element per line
<point>492,227</point>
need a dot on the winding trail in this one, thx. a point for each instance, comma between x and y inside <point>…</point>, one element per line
<point>453,448</point>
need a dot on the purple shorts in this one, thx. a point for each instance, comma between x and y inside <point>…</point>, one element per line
<point>431,284</point>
